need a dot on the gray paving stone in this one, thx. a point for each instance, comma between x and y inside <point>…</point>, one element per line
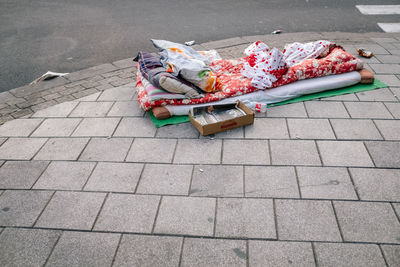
<point>62,149</point>
<point>396,92</point>
<point>310,129</point>
<point>355,129</point>
<point>224,43</point>
<point>386,68</point>
<point>377,184</point>
<point>91,109</point>
<point>65,175</point>
<point>294,152</point>
<point>324,109</point>
<point>341,254</point>
<point>325,183</point>
<point>217,180</point>
<point>106,149</point>
<point>136,127</point>
<point>126,108</point>
<point>90,72</point>
<point>390,129</point>
<point>274,253</point>
<point>388,58</point>
<point>28,89</point>
<point>246,152</point>
<point>296,110</point>
<point>57,127</point>
<point>7,97</point>
<point>186,215</point>
<point>368,110</point>
<point>21,148</point>
<point>71,210</point>
<point>21,208</point>
<point>376,48</point>
<point>152,150</point>
<point>19,127</point>
<point>92,97</point>
<point>124,93</point>
<point>368,222</point>
<point>114,177</point>
<point>392,255</point>
<point>26,247</point>
<point>388,79</point>
<point>59,110</point>
<point>148,251</point>
<point>128,213</point>
<point>267,128</point>
<point>182,130</point>
<point>84,249</point>
<point>165,179</point>
<point>214,252</point>
<point>86,92</point>
<point>245,218</point>
<point>344,153</point>
<point>21,174</point>
<point>306,220</point>
<point>237,133</point>
<point>265,181</point>
<point>124,63</point>
<point>203,151</point>
<point>96,127</point>
<point>394,108</point>
<point>396,207</point>
<point>383,94</point>
<point>385,154</point>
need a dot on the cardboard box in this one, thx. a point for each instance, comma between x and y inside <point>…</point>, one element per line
<point>224,125</point>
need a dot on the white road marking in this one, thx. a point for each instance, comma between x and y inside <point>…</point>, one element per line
<point>379,9</point>
<point>390,27</point>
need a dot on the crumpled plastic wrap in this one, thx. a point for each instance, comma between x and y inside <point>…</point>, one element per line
<point>190,64</point>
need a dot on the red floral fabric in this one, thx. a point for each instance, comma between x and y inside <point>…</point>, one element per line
<point>232,83</point>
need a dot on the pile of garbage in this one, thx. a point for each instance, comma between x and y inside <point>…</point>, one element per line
<point>179,78</point>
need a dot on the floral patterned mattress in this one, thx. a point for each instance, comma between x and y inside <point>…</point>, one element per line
<point>232,83</point>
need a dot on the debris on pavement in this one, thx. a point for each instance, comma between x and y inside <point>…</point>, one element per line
<point>190,43</point>
<point>276,32</point>
<point>213,119</point>
<point>365,53</point>
<point>47,76</point>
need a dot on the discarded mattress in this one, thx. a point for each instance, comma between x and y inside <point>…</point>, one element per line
<point>281,93</point>
<point>232,83</point>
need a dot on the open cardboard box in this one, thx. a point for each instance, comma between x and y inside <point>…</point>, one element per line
<point>225,125</point>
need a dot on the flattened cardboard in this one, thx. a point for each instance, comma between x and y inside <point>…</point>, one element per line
<point>226,125</point>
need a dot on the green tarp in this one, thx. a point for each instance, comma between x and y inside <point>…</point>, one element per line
<point>342,91</point>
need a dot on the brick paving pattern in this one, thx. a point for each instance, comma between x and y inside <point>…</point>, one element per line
<point>86,179</point>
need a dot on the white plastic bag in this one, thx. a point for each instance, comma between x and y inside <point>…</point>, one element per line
<point>190,64</point>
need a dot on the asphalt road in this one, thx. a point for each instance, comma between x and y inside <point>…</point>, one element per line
<point>69,35</point>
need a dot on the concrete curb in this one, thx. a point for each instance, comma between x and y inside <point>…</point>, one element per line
<point>23,101</point>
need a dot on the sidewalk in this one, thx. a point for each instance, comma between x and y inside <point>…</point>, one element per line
<point>87,180</point>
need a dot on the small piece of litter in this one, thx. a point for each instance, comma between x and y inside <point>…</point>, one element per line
<point>276,32</point>
<point>48,75</point>
<point>365,53</point>
<point>201,170</point>
<point>190,43</point>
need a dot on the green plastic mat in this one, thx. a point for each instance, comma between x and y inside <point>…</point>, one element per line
<point>342,91</point>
